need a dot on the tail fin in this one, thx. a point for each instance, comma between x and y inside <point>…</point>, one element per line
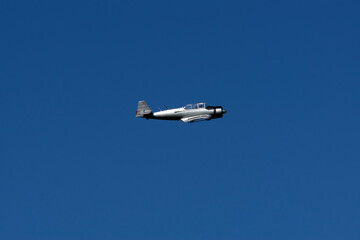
<point>143,109</point>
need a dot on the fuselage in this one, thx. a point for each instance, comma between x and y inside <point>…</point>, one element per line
<point>179,113</point>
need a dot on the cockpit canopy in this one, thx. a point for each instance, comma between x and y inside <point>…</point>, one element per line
<point>195,106</point>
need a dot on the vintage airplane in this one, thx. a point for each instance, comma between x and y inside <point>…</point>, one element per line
<point>190,113</point>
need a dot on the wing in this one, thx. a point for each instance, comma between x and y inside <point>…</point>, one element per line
<point>197,118</point>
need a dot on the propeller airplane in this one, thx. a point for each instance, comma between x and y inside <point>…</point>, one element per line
<point>195,112</point>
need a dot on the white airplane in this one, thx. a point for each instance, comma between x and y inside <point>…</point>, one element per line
<point>190,113</point>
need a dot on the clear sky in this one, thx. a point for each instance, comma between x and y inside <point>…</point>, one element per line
<point>283,163</point>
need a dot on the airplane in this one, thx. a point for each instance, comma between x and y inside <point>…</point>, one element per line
<point>195,112</point>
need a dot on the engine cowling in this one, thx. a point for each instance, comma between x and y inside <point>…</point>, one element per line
<point>218,111</point>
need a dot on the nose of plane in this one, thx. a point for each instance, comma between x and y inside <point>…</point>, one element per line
<point>224,111</point>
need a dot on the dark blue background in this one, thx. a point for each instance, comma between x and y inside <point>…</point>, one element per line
<point>283,163</point>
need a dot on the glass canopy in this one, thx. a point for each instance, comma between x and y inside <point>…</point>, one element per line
<point>195,106</point>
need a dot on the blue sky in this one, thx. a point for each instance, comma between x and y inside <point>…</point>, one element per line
<point>283,163</point>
